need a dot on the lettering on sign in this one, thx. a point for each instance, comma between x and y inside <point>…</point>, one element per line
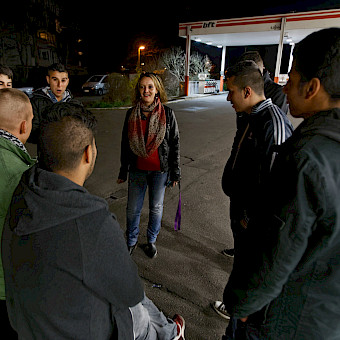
<point>209,24</point>
<point>276,27</point>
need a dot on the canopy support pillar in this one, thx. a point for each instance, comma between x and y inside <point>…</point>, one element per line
<point>222,68</point>
<point>187,61</point>
<point>279,51</point>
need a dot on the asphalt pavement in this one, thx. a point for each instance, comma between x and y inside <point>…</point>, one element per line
<point>189,272</point>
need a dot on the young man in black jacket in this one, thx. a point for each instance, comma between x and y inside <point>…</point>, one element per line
<point>271,90</point>
<point>68,273</point>
<point>56,92</point>
<point>253,153</point>
<point>296,275</point>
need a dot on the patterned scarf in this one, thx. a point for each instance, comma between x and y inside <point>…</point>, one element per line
<point>144,146</point>
<point>6,135</point>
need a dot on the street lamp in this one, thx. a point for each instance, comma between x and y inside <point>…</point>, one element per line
<point>138,61</point>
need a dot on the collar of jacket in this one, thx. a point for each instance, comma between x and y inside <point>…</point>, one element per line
<point>261,106</point>
<point>44,92</point>
<point>13,139</point>
<point>50,94</point>
<point>325,123</point>
<point>266,77</point>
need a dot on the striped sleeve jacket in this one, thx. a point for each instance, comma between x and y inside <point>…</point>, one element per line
<point>268,120</point>
<point>253,154</point>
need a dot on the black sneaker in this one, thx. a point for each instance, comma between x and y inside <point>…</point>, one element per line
<point>228,252</point>
<point>219,308</point>
<point>151,250</point>
<point>132,248</point>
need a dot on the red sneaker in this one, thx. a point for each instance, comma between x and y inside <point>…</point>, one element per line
<point>180,326</point>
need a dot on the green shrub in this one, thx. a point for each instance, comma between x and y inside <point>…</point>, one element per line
<point>119,89</point>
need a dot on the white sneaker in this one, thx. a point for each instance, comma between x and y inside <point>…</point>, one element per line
<point>219,308</point>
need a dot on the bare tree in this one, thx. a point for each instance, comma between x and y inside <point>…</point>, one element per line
<point>199,64</point>
<point>174,61</point>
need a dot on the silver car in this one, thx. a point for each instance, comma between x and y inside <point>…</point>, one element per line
<point>28,90</point>
<point>97,84</point>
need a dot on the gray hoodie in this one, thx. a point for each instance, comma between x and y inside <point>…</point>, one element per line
<point>68,273</point>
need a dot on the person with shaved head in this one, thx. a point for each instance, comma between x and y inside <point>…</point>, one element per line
<point>15,127</point>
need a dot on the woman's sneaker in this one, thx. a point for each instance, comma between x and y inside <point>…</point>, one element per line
<point>179,320</point>
<point>219,308</point>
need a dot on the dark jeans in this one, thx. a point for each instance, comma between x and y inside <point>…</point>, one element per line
<point>238,330</point>
<point>7,331</point>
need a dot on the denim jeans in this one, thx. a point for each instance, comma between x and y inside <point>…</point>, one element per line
<point>149,323</point>
<point>138,182</point>
<point>238,330</point>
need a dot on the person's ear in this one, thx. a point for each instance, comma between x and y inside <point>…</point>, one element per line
<point>88,153</point>
<point>247,92</point>
<point>23,127</point>
<point>312,88</point>
<point>48,80</point>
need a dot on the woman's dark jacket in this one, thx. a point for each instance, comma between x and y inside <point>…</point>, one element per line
<point>169,150</point>
<point>299,275</point>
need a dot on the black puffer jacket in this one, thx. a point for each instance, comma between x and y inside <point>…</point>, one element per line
<point>169,150</point>
<point>40,102</point>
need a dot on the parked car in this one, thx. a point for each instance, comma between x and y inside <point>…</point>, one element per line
<point>27,90</point>
<point>97,84</point>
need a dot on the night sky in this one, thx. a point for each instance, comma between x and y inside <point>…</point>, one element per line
<point>112,30</point>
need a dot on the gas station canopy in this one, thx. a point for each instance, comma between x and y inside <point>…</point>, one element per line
<point>278,29</point>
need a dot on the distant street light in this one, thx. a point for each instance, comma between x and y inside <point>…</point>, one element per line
<point>138,61</point>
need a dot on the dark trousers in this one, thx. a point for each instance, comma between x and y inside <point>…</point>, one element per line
<point>238,330</point>
<point>7,331</point>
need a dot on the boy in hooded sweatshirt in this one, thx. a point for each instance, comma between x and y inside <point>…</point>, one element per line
<point>68,272</point>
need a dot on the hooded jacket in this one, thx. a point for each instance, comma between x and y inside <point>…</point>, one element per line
<point>14,161</point>
<point>67,270</point>
<point>40,101</point>
<point>299,273</point>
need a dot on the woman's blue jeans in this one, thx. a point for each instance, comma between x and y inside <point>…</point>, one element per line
<point>139,180</point>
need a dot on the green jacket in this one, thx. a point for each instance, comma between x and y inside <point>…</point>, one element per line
<point>13,163</point>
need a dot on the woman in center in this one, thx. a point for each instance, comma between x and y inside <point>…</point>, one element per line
<point>150,153</point>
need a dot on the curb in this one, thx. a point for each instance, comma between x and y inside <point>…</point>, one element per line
<point>173,100</point>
